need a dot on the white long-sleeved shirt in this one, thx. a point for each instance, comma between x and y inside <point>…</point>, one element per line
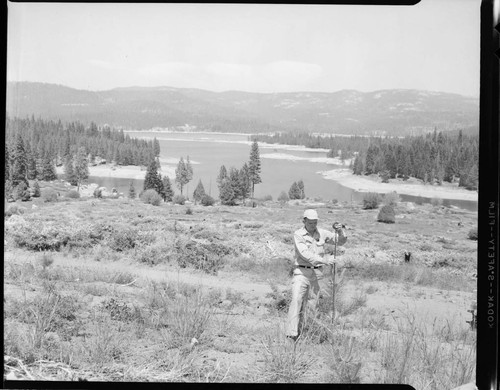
<point>309,249</point>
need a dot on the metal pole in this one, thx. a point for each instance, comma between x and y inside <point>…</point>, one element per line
<point>333,278</point>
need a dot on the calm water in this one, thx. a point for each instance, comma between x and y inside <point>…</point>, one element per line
<point>207,152</point>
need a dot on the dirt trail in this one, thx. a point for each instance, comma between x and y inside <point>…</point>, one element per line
<point>164,272</point>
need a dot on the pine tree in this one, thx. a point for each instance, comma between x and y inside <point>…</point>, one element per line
<point>300,185</point>
<point>199,192</point>
<point>32,172</point>
<point>81,168</point>
<point>48,169</point>
<point>221,177</point>
<point>69,172</point>
<point>234,180</point>
<point>181,174</point>
<point>167,189</point>
<point>20,163</point>
<point>245,184</point>
<point>357,168</point>
<point>294,191</point>
<point>227,195</point>
<point>254,166</point>
<point>152,178</point>
<point>131,191</point>
<point>156,147</point>
<point>189,169</point>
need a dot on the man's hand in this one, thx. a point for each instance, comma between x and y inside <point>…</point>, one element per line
<point>336,226</point>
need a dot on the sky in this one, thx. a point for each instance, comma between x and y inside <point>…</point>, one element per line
<point>434,46</point>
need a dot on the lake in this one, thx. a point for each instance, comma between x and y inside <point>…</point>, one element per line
<point>281,165</point>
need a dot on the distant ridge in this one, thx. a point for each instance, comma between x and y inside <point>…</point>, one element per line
<point>385,112</point>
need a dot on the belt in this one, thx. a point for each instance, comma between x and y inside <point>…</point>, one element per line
<point>306,266</point>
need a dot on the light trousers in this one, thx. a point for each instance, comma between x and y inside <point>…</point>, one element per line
<point>305,297</point>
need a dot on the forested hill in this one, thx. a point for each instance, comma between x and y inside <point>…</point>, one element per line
<point>387,112</point>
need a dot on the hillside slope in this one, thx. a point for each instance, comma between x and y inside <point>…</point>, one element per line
<point>389,112</point>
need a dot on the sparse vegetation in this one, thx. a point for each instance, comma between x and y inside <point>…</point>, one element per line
<point>117,290</point>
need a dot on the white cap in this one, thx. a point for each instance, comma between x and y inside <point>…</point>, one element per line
<point>310,214</point>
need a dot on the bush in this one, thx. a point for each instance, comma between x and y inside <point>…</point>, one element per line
<point>436,202</point>
<point>391,199</point>
<point>14,209</point>
<point>206,257</point>
<point>387,214</point>
<point>207,200</point>
<point>123,239</point>
<point>179,199</point>
<point>283,197</point>
<point>150,196</point>
<point>73,194</point>
<point>189,211</point>
<point>49,195</point>
<point>371,200</point>
<point>98,193</point>
<point>472,235</point>
<point>266,198</point>
<point>22,192</point>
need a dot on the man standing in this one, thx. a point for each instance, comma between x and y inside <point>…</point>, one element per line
<point>310,258</point>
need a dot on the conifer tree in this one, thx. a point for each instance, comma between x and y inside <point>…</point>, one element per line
<point>199,192</point>
<point>254,166</point>
<point>221,177</point>
<point>48,169</point>
<point>36,189</point>
<point>20,163</point>
<point>294,191</point>
<point>245,184</point>
<point>300,185</point>
<point>131,191</point>
<point>156,147</point>
<point>69,172</point>
<point>167,189</point>
<point>227,195</point>
<point>81,167</point>
<point>153,179</point>
<point>181,174</point>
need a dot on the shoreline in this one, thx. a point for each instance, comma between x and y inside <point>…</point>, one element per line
<point>343,176</point>
<point>412,186</point>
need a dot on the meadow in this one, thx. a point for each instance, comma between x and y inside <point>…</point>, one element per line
<point>119,290</point>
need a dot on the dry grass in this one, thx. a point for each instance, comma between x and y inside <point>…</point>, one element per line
<point>85,310</point>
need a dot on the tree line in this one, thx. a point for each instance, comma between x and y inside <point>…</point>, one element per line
<point>433,158</point>
<point>234,184</point>
<point>34,147</point>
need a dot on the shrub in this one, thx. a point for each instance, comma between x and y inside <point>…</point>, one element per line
<point>22,192</point>
<point>371,200</point>
<point>189,211</point>
<point>98,193</point>
<point>266,198</point>
<point>179,199</point>
<point>206,257</point>
<point>49,195</point>
<point>14,209</point>
<point>387,214</point>
<point>391,199</point>
<point>207,200</point>
<point>283,197</point>
<point>73,194</point>
<point>123,239</point>
<point>436,202</point>
<point>36,189</point>
<point>150,196</point>
<point>472,235</point>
